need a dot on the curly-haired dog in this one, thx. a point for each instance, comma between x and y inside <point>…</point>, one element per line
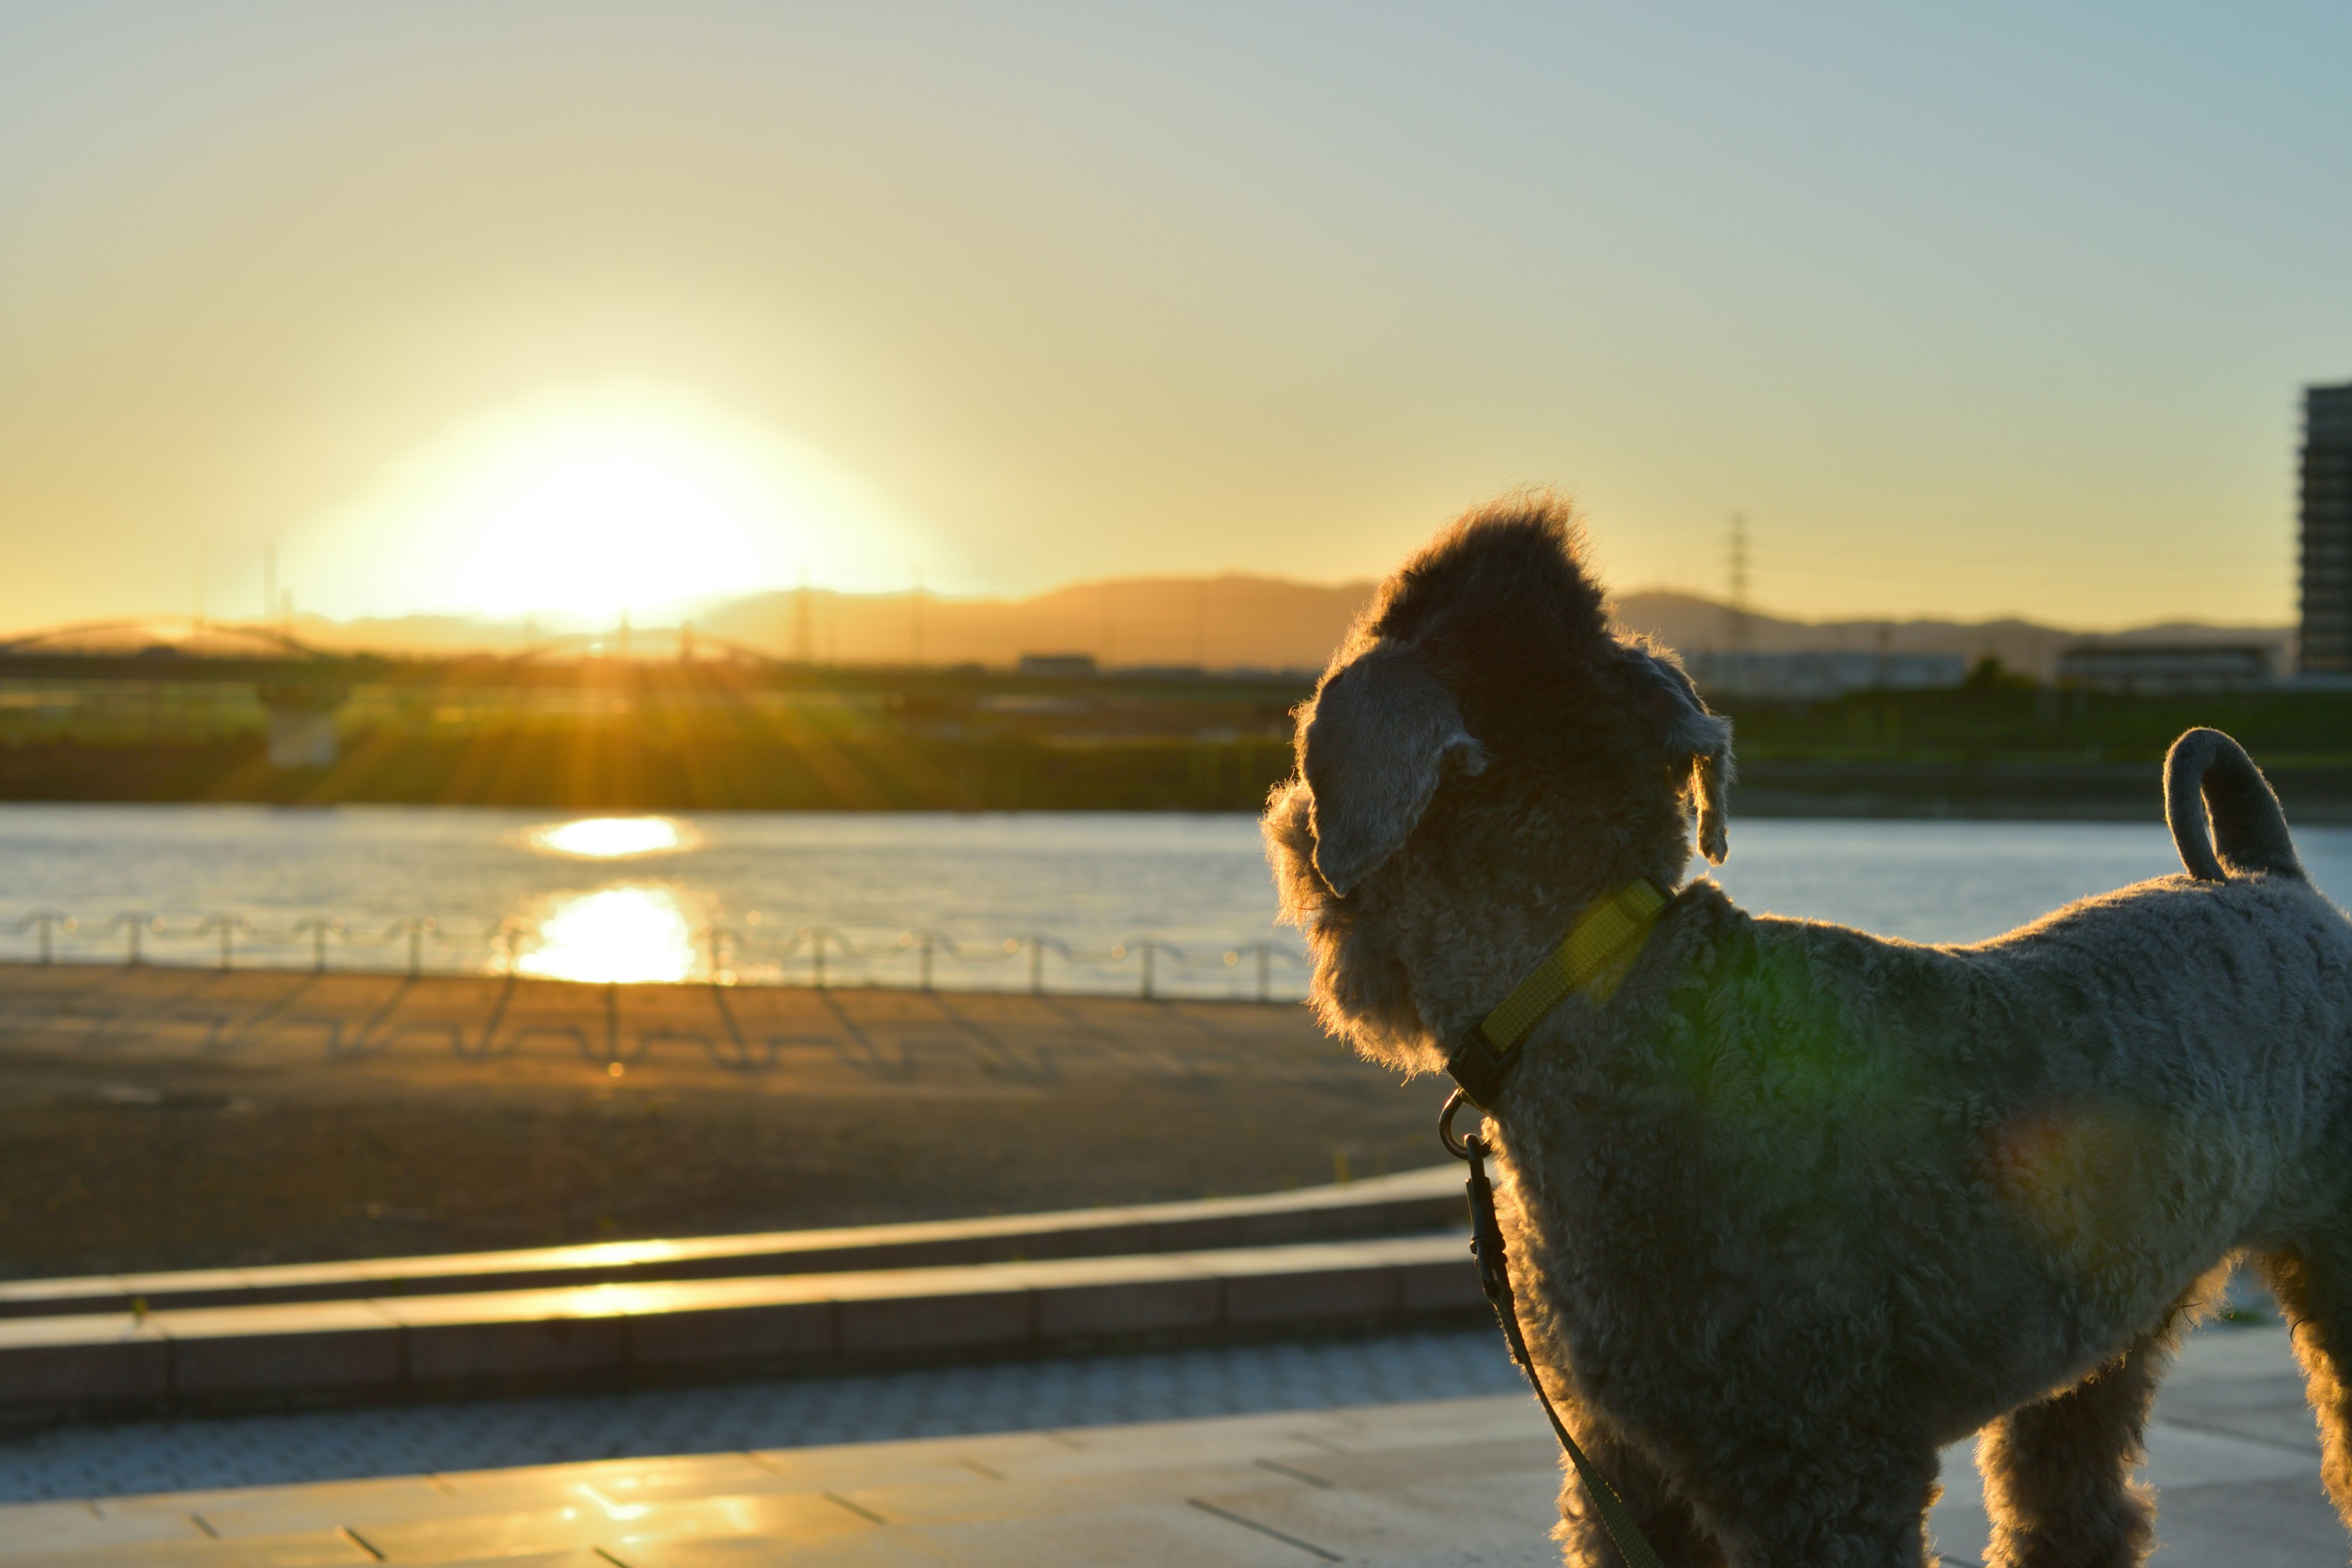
<point>1791,1206</point>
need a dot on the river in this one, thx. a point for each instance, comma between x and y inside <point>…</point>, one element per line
<point>1086,899</point>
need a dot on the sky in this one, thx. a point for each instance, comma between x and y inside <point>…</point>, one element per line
<point>592,308</point>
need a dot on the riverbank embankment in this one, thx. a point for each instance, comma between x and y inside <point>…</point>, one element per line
<point>154,1118</point>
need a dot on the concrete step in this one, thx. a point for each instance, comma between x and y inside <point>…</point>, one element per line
<point>1406,1203</point>
<point>618,1335</point>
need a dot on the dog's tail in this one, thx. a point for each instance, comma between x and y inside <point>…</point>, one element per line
<point>2214,797</point>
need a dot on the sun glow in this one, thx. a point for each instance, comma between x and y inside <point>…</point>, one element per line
<point>594,500</point>
<point>623,935</point>
<point>614,837</point>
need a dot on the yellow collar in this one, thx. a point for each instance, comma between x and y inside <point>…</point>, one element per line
<point>1592,958</point>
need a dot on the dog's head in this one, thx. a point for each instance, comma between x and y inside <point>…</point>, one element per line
<point>1482,759</point>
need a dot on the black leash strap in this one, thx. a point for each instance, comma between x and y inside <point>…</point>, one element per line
<point>1494,1278</point>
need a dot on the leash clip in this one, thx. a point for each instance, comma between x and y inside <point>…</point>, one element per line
<point>1494,1280</point>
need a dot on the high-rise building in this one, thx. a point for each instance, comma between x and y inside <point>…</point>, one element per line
<point>2326,530</point>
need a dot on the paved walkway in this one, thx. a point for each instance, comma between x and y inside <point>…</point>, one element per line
<point>1460,1480</point>
<point>274,1450</point>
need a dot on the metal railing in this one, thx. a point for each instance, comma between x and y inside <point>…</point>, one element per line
<point>820,956</point>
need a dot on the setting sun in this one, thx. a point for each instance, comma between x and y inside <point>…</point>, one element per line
<point>597,499</point>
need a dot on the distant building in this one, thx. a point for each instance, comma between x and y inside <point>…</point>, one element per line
<point>2165,667</point>
<point>2326,642</point>
<point>1823,672</point>
<point>1060,666</point>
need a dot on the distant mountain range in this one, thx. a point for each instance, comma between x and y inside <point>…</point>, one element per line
<point>1220,623</point>
<point>1693,624</point>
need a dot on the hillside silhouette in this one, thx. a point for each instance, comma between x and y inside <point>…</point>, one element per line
<point>1233,621</point>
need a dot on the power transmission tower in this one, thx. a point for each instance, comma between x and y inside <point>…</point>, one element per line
<point>1735,618</point>
<point>915,606</point>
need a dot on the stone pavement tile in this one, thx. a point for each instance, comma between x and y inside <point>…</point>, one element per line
<point>2282,1523</point>
<point>629,1480</point>
<point>1173,1534</point>
<point>247,1513</point>
<point>1492,1519</point>
<point>875,1548</point>
<point>2229,1351</point>
<point>958,1462</point>
<point>1957,1525</point>
<point>71,1526</point>
<point>311,1550</point>
<point>595,1520</point>
<point>2186,1456</point>
<point>2284,1426</point>
<point>1533,1456</point>
<point>1096,1493</point>
<point>2266,1405</point>
<point>1485,1417</point>
<point>1103,1451</point>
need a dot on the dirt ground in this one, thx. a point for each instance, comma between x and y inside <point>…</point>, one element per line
<point>166,1119</point>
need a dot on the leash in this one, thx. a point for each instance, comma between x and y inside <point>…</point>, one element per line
<point>1592,958</point>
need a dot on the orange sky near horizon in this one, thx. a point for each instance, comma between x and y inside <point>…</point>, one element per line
<point>577,309</point>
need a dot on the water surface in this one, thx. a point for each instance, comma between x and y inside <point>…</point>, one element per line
<point>599,897</point>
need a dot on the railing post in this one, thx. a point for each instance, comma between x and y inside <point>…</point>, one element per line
<point>44,921</point>
<point>1037,965</point>
<point>816,958</point>
<point>1150,950</point>
<point>416,926</point>
<point>134,921</point>
<point>319,927</point>
<point>926,959</point>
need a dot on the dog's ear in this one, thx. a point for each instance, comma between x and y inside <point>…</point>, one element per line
<point>1373,749</point>
<point>1694,732</point>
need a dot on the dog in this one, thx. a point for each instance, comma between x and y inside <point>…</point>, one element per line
<point>1789,1206</point>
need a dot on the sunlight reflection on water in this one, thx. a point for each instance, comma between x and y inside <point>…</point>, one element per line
<point>614,837</point>
<point>1092,880</point>
<point>625,934</point>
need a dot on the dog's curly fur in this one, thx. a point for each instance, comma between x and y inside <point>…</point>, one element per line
<point>1798,1205</point>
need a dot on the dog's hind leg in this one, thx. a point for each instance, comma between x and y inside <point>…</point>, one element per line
<point>1823,1496</point>
<point>2313,1288</point>
<point>2057,1473</point>
<point>1667,1523</point>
